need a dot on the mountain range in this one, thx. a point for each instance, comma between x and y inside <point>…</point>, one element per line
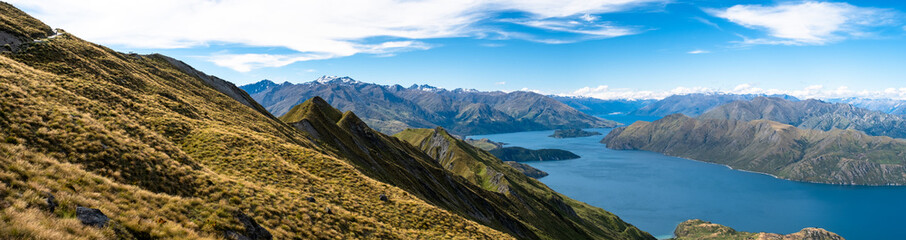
<point>838,156</point>
<point>598,107</point>
<point>891,106</point>
<point>812,114</point>
<point>392,109</point>
<point>694,104</point>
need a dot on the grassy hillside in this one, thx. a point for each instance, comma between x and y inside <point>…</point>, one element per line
<point>838,156</point>
<point>551,214</point>
<point>166,153</point>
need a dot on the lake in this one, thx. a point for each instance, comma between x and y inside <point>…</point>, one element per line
<point>656,192</point>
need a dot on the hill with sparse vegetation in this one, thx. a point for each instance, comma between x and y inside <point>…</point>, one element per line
<point>554,215</point>
<point>838,156</point>
<point>163,151</point>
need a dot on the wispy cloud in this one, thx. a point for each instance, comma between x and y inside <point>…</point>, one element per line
<point>500,83</point>
<point>707,22</point>
<point>814,91</point>
<point>807,23</point>
<point>325,29</point>
<point>589,28</point>
<point>698,51</point>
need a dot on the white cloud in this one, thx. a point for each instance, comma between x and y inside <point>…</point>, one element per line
<point>247,62</point>
<point>698,51</point>
<point>500,83</point>
<point>806,23</point>
<point>592,29</point>
<point>333,28</point>
<point>589,18</point>
<point>813,91</point>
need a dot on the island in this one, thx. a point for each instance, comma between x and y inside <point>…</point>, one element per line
<point>572,133</point>
<point>519,154</point>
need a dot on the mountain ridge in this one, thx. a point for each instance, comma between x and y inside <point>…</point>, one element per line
<point>462,183</point>
<point>394,108</point>
<point>694,104</point>
<point>812,114</point>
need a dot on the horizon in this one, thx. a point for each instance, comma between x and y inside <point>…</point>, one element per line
<point>609,49</point>
<point>665,94</point>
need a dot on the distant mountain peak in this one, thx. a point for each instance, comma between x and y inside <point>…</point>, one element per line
<point>426,87</point>
<point>334,79</point>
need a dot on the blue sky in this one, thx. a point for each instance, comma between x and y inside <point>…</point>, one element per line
<point>598,48</point>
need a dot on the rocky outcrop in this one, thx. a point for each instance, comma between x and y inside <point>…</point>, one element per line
<point>92,217</point>
<point>527,170</point>
<point>252,231</point>
<point>701,230</point>
<point>572,133</point>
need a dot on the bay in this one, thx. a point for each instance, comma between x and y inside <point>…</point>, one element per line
<point>656,192</point>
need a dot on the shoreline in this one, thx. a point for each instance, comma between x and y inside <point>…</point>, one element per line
<point>767,174</point>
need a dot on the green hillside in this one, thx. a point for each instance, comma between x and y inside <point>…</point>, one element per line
<point>553,215</point>
<point>837,156</point>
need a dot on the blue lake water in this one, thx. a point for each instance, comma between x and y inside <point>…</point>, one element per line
<point>657,192</point>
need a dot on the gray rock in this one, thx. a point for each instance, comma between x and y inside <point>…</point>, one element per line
<point>252,229</point>
<point>51,202</point>
<point>310,199</point>
<point>92,217</point>
<point>384,198</point>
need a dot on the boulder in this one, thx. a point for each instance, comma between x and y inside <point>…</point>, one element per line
<point>253,231</point>
<point>92,217</point>
<point>51,202</point>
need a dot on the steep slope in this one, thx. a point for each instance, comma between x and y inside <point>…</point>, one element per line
<point>470,191</point>
<point>838,156</point>
<point>812,114</point>
<point>700,230</point>
<point>166,153</point>
<point>554,215</point>
<point>597,107</point>
<point>694,104</point>
<point>391,109</point>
